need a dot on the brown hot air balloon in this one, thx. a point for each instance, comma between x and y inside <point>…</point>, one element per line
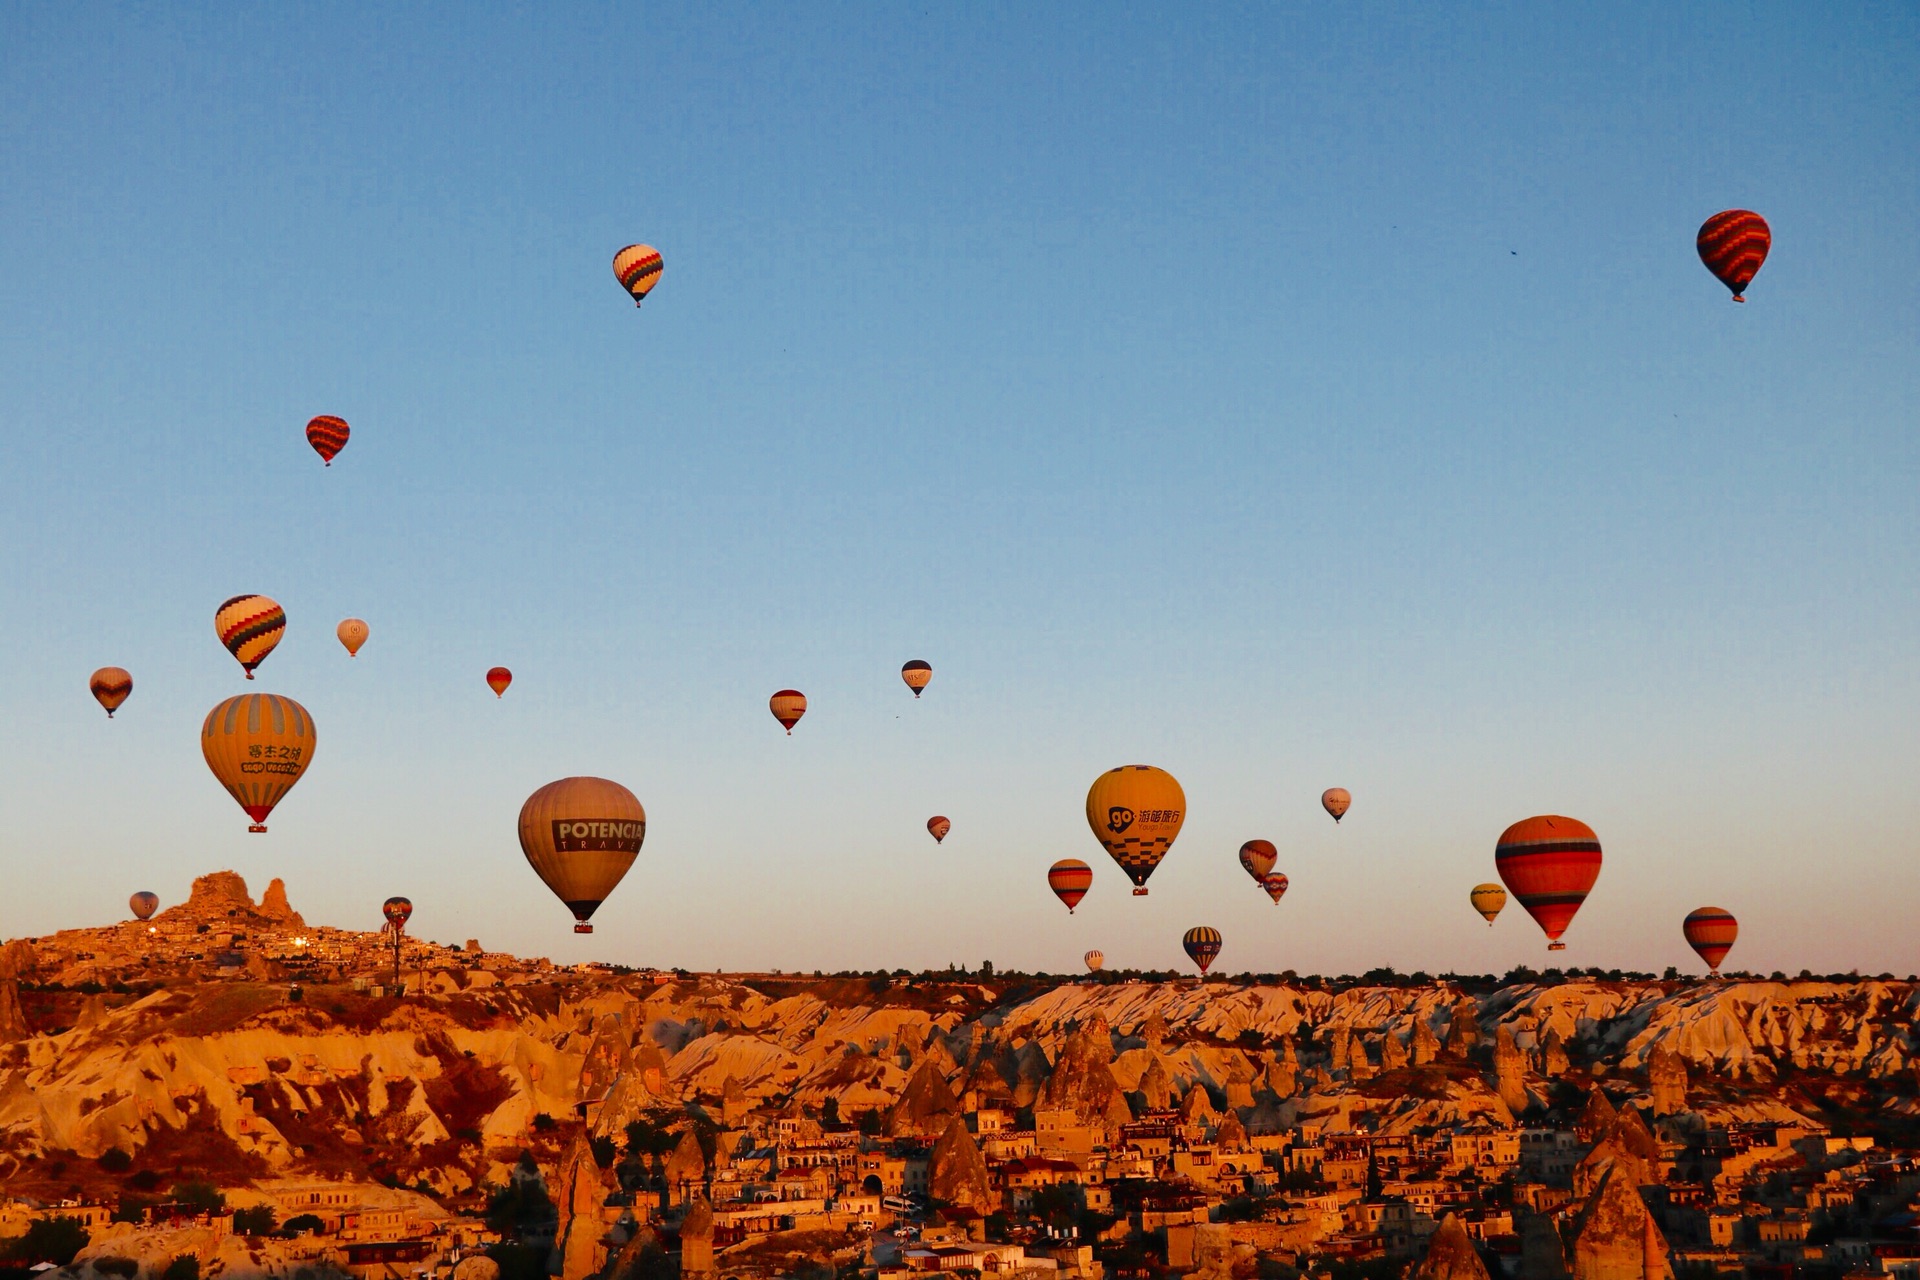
<point>258,745</point>
<point>143,904</point>
<point>1336,801</point>
<point>788,706</point>
<point>1257,858</point>
<point>916,674</point>
<point>938,827</point>
<point>498,678</point>
<point>580,835</point>
<point>110,687</point>
<point>353,633</point>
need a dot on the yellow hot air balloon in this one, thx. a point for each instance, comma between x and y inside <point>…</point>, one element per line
<point>638,267</point>
<point>1135,812</point>
<point>258,745</point>
<point>353,634</point>
<point>788,706</point>
<point>1488,899</point>
<point>580,835</point>
<point>250,627</point>
<point>110,687</point>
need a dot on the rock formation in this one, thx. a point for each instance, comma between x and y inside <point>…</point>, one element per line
<point>1340,1050</point>
<point>1231,1135</point>
<point>1425,1046</point>
<point>1509,1070</point>
<point>13,1019</point>
<point>1393,1053</point>
<point>1082,1081</point>
<point>476,1267</point>
<point>925,1107</point>
<point>1240,1084</point>
<point>1154,1032</point>
<point>577,1248</point>
<point>274,905</point>
<point>1667,1080</point>
<point>686,1171</point>
<point>1451,1254</point>
<point>1543,1255</point>
<point>1627,1147</point>
<point>1283,1071</point>
<point>696,1239</point>
<point>1614,1237</point>
<point>1596,1118</point>
<point>1553,1055</point>
<point>957,1172</point>
<point>1463,1031</point>
<point>1156,1090</point>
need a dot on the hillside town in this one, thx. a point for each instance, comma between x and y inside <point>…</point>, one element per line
<point>228,1091</point>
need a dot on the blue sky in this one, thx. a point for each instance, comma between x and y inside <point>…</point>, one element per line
<point>1286,397</point>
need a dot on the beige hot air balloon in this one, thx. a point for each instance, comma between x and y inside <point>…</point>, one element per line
<point>1094,961</point>
<point>258,745</point>
<point>1135,812</point>
<point>788,706</point>
<point>580,835</point>
<point>1336,802</point>
<point>353,634</point>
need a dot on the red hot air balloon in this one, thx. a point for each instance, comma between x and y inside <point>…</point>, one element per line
<point>397,911</point>
<point>1275,884</point>
<point>498,678</point>
<point>938,826</point>
<point>1070,879</point>
<point>328,436</point>
<point>1550,864</point>
<point>1202,945</point>
<point>1733,244</point>
<point>1711,931</point>
<point>1257,858</point>
<point>788,706</point>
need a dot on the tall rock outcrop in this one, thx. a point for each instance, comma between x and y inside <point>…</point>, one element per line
<point>13,1019</point>
<point>925,1107</point>
<point>1627,1148</point>
<point>274,905</point>
<point>696,1239</point>
<point>1451,1255</point>
<point>1543,1255</point>
<point>1596,1118</point>
<point>1463,1031</point>
<point>1340,1050</point>
<point>578,1251</point>
<point>1231,1135</point>
<point>1156,1089</point>
<point>957,1172</point>
<point>1393,1051</point>
<point>1554,1062</point>
<point>1283,1070</point>
<point>1240,1084</point>
<point>1667,1080</point>
<point>1154,1032</point>
<point>985,1086</point>
<point>1425,1046</point>
<point>1082,1081</point>
<point>1614,1237</point>
<point>686,1171</point>
<point>1509,1071</point>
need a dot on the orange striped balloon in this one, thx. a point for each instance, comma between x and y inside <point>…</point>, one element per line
<point>258,745</point>
<point>916,674</point>
<point>1733,244</point>
<point>788,706</point>
<point>328,436</point>
<point>498,678</point>
<point>110,687</point>
<point>250,627</point>
<point>1070,879</point>
<point>1550,864</point>
<point>1710,931</point>
<point>638,268</point>
<point>1257,858</point>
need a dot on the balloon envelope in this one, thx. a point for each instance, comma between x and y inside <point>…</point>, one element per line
<point>1710,931</point>
<point>397,911</point>
<point>353,633</point>
<point>1094,960</point>
<point>143,904</point>
<point>916,674</point>
<point>1275,884</point>
<point>938,827</point>
<point>258,745</point>
<point>110,687</point>
<point>1202,945</point>
<point>1257,858</point>
<point>1336,801</point>
<point>1488,900</point>
<point>498,678</point>
<point>1135,811</point>
<point>580,835</point>
<point>1733,243</point>
<point>1070,879</point>
<point>637,267</point>
<point>250,627</point>
<point>328,436</point>
<point>1550,864</point>
<point>788,706</point>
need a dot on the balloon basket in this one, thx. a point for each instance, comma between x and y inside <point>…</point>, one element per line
<point>1139,893</point>
<point>583,927</point>
<point>1556,946</point>
<point>258,828</point>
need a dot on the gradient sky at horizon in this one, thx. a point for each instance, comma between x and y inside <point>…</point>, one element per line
<point>1289,397</point>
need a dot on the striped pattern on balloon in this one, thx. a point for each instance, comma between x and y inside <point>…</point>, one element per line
<point>250,627</point>
<point>1733,244</point>
<point>258,745</point>
<point>1070,879</point>
<point>1135,812</point>
<point>1711,931</point>
<point>110,687</point>
<point>638,268</point>
<point>1202,944</point>
<point>328,436</point>
<point>1550,863</point>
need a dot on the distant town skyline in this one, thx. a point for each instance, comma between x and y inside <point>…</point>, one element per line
<point>1285,398</point>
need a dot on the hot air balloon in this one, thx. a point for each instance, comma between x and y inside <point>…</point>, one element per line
<point>1135,812</point>
<point>1488,899</point>
<point>110,687</point>
<point>938,827</point>
<point>1070,879</point>
<point>1203,946</point>
<point>638,268</point>
<point>397,911</point>
<point>1710,932</point>
<point>1733,243</point>
<point>1336,801</point>
<point>353,633</point>
<point>916,674</point>
<point>1094,961</point>
<point>1257,858</point>
<point>328,436</point>
<point>498,678</point>
<point>1275,884</point>
<point>143,904</point>
<point>580,835</point>
<point>258,745</point>
<point>250,627</point>
<point>1550,863</point>
<point>788,706</point>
